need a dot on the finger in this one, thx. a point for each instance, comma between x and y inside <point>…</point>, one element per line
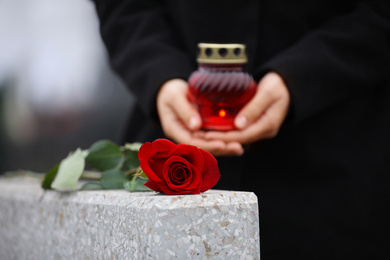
<point>253,109</point>
<point>267,126</point>
<point>247,135</point>
<point>232,148</point>
<point>174,94</point>
<point>270,89</point>
<point>215,147</point>
<point>178,132</point>
<point>199,134</point>
<point>218,147</point>
<point>229,136</point>
<point>187,112</point>
<point>269,123</point>
<point>172,126</point>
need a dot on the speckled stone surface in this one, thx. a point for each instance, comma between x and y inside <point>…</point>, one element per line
<point>116,224</point>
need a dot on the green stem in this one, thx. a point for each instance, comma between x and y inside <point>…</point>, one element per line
<point>135,170</point>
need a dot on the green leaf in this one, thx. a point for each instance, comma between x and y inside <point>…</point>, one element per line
<point>131,160</point>
<point>141,186</point>
<point>49,177</point>
<point>92,186</point>
<point>113,179</point>
<point>104,155</point>
<point>136,184</point>
<point>69,172</point>
<point>130,185</point>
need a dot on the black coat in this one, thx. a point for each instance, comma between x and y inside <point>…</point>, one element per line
<point>323,182</point>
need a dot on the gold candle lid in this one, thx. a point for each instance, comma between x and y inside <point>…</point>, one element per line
<point>221,53</point>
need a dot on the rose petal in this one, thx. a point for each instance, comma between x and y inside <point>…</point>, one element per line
<point>157,164</point>
<point>189,152</point>
<point>161,159</point>
<point>153,186</point>
<point>196,180</point>
<point>163,145</point>
<point>194,156</point>
<point>210,174</point>
<point>161,149</point>
<point>144,154</point>
<point>168,173</point>
<point>164,188</point>
<point>152,157</point>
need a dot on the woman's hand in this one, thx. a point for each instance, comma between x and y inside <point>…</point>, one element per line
<point>181,121</point>
<point>262,117</point>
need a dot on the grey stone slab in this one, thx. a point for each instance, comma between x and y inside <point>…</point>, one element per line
<point>116,224</point>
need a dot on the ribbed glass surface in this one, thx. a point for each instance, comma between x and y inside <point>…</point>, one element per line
<point>219,92</point>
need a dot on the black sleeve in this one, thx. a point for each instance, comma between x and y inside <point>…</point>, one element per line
<point>349,54</point>
<point>142,46</point>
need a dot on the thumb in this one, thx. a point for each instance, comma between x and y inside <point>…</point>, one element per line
<point>174,93</point>
<point>252,110</point>
<point>268,92</point>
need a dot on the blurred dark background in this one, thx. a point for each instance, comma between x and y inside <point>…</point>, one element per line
<point>57,91</point>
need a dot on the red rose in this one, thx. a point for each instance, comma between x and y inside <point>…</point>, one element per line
<point>178,169</point>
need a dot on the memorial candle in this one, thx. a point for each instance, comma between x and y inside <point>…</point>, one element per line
<point>221,86</point>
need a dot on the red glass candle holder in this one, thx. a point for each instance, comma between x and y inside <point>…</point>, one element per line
<point>221,86</point>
